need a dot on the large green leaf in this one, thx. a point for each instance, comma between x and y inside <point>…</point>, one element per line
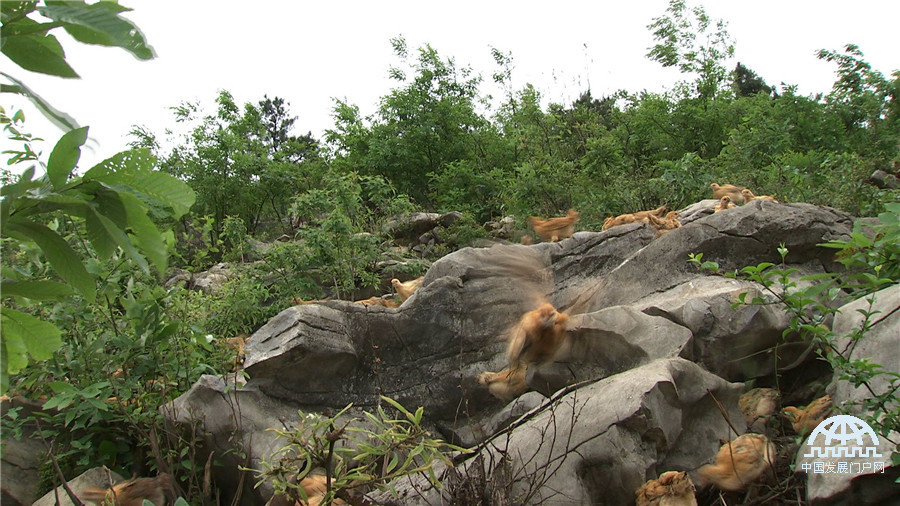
<point>73,206</point>
<point>102,242</point>
<point>38,53</point>
<point>64,260</point>
<point>36,290</point>
<point>10,10</point>
<point>65,156</point>
<point>23,333</point>
<point>121,238</point>
<point>148,237</point>
<point>12,192</point>
<point>131,171</point>
<point>99,23</point>
<point>57,117</point>
<point>109,203</point>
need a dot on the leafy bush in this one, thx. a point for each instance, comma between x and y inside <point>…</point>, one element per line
<point>121,361</point>
<point>872,262</point>
<point>374,452</point>
<point>338,240</point>
<point>241,306</point>
<point>111,207</point>
<point>234,232</point>
<point>469,189</point>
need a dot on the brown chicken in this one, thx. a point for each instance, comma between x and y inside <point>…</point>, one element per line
<point>236,344</point>
<point>733,192</point>
<point>738,463</point>
<point>505,385</point>
<point>673,488</point>
<point>759,404</point>
<point>555,229</point>
<point>405,290</point>
<point>644,216</point>
<point>160,491</point>
<point>622,219</point>
<point>315,487</point>
<point>378,301</point>
<point>665,225</point>
<point>300,302</point>
<point>748,196</point>
<point>537,337</point>
<point>805,420</point>
<point>724,203</point>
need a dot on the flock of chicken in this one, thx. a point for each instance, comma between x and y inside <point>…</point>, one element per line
<point>663,220</point>
<point>738,464</point>
<point>540,333</point>
<point>536,339</point>
<point>728,194</point>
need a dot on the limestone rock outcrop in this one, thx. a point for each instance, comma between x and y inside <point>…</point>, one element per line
<point>650,341</point>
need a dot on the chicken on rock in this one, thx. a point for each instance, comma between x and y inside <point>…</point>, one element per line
<point>505,385</point>
<point>160,491</point>
<point>555,229</point>
<point>731,191</point>
<point>805,420</point>
<point>724,203</point>
<point>640,216</point>
<point>739,463</point>
<point>748,196</point>
<point>537,337</point>
<point>405,290</point>
<point>673,488</point>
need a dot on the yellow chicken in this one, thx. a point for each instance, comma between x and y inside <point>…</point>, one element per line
<point>555,229</point>
<point>738,463</point>
<point>159,491</point>
<point>673,488</point>
<point>805,420</point>
<point>405,290</point>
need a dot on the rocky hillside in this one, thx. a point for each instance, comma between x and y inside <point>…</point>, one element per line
<point>655,358</point>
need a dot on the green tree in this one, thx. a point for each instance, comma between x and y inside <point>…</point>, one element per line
<point>276,121</point>
<point>116,201</point>
<point>747,82</point>
<point>420,127</point>
<point>244,163</point>
<point>690,40</point>
<point>867,102</point>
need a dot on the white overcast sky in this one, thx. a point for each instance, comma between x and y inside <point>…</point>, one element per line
<point>309,52</point>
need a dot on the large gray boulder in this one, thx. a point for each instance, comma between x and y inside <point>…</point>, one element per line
<point>237,423</point>
<point>211,281</point>
<point>862,483</point>
<point>601,442</point>
<point>580,262</point>
<point>411,226</point>
<point>21,457</point>
<point>426,353</point>
<point>884,180</point>
<point>881,343</point>
<point>730,340</point>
